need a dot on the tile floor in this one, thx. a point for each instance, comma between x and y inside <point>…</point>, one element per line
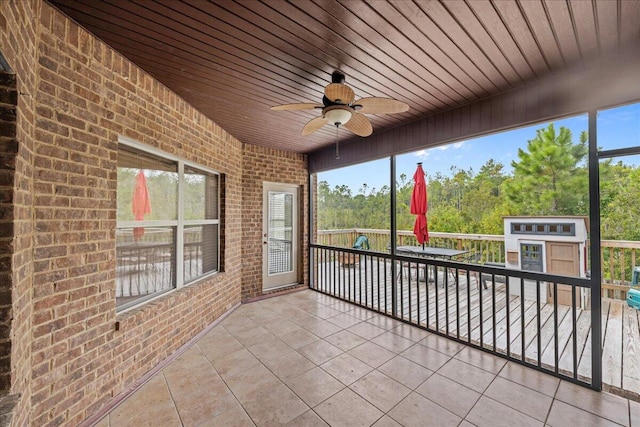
<point>306,359</point>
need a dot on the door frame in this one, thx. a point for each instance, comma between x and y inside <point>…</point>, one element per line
<point>274,281</point>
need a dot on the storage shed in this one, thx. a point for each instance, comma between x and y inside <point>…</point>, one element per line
<point>555,245</point>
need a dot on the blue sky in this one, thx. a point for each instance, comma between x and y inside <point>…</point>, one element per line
<point>617,128</point>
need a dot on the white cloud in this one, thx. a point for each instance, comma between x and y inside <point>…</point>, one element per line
<point>455,146</point>
<point>423,154</point>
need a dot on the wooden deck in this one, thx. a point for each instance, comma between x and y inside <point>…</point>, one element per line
<point>494,320</point>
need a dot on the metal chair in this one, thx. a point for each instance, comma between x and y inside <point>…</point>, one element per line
<point>475,258</point>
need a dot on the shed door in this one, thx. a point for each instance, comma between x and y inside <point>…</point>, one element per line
<point>563,258</point>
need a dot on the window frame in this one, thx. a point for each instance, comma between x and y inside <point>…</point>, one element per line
<point>179,223</point>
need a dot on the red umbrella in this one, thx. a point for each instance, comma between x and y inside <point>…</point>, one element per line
<point>419,206</point>
<point>140,203</point>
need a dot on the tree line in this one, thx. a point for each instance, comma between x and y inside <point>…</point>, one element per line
<point>550,178</point>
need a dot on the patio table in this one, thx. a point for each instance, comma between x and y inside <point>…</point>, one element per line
<point>432,252</point>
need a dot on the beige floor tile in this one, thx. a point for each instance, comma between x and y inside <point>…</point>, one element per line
<point>281,327</point>
<point>344,320</point>
<point>346,368</point>
<point>315,386</point>
<point>441,344</point>
<point>406,372</point>
<point>380,390</point>
<point>245,384</point>
<point>416,410</point>
<point>270,349</point>
<point>531,378</point>
<point>235,363</point>
<point>234,417</point>
<point>238,324</point>
<point>366,330</point>
<point>292,313</point>
<point>562,415</point>
<point>339,305</point>
<point>305,318</point>
<point>466,423</point>
<point>104,422</point>
<point>410,332</point>
<point>199,393</point>
<point>372,354</point>
<point>521,398</point>
<point>468,375</point>
<point>387,421</point>
<point>298,338</point>
<point>321,328</point>
<point>305,304</point>
<point>603,404</point>
<point>449,394</point>
<point>217,346</point>
<point>360,313</point>
<point>308,419</point>
<point>262,314</point>
<point>320,351</point>
<point>384,322</point>
<point>425,356</point>
<point>481,359</point>
<point>249,337</point>
<point>345,340</point>
<point>324,312</point>
<point>489,413</point>
<point>289,365</point>
<point>393,342</point>
<point>635,413</point>
<point>192,360</point>
<point>151,406</point>
<point>348,409</point>
<point>273,405</point>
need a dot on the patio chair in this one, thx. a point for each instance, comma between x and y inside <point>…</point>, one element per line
<point>349,259</point>
<point>474,258</point>
<point>362,242</point>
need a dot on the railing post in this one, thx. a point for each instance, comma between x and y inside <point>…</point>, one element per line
<point>392,208</point>
<point>596,270</point>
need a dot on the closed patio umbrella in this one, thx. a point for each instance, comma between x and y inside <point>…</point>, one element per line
<point>419,206</point>
<point>140,203</point>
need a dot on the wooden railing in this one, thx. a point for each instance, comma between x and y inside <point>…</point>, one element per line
<point>618,257</point>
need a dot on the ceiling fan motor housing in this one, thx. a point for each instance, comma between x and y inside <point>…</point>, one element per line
<point>337,77</point>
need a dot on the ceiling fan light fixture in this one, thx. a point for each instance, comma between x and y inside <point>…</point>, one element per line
<point>338,115</point>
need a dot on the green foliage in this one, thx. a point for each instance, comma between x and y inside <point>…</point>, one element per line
<point>550,178</point>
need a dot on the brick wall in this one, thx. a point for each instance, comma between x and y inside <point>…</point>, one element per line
<point>75,97</point>
<point>267,164</point>
<point>8,154</point>
<point>17,43</point>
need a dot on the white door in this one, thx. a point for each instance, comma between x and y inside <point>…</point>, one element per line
<point>280,235</point>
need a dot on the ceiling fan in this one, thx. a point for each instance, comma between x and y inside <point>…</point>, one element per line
<point>340,109</point>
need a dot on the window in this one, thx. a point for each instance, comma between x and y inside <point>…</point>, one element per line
<point>168,216</point>
<point>567,229</point>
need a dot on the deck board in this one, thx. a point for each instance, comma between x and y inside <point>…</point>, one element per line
<point>463,310</point>
<point>612,351</point>
<point>631,352</point>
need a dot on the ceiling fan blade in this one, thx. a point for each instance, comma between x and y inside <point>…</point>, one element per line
<point>359,124</point>
<point>338,92</point>
<point>306,106</point>
<point>313,125</point>
<point>381,106</point>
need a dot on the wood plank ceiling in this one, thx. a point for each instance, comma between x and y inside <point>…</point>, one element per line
<point>233,60</point>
